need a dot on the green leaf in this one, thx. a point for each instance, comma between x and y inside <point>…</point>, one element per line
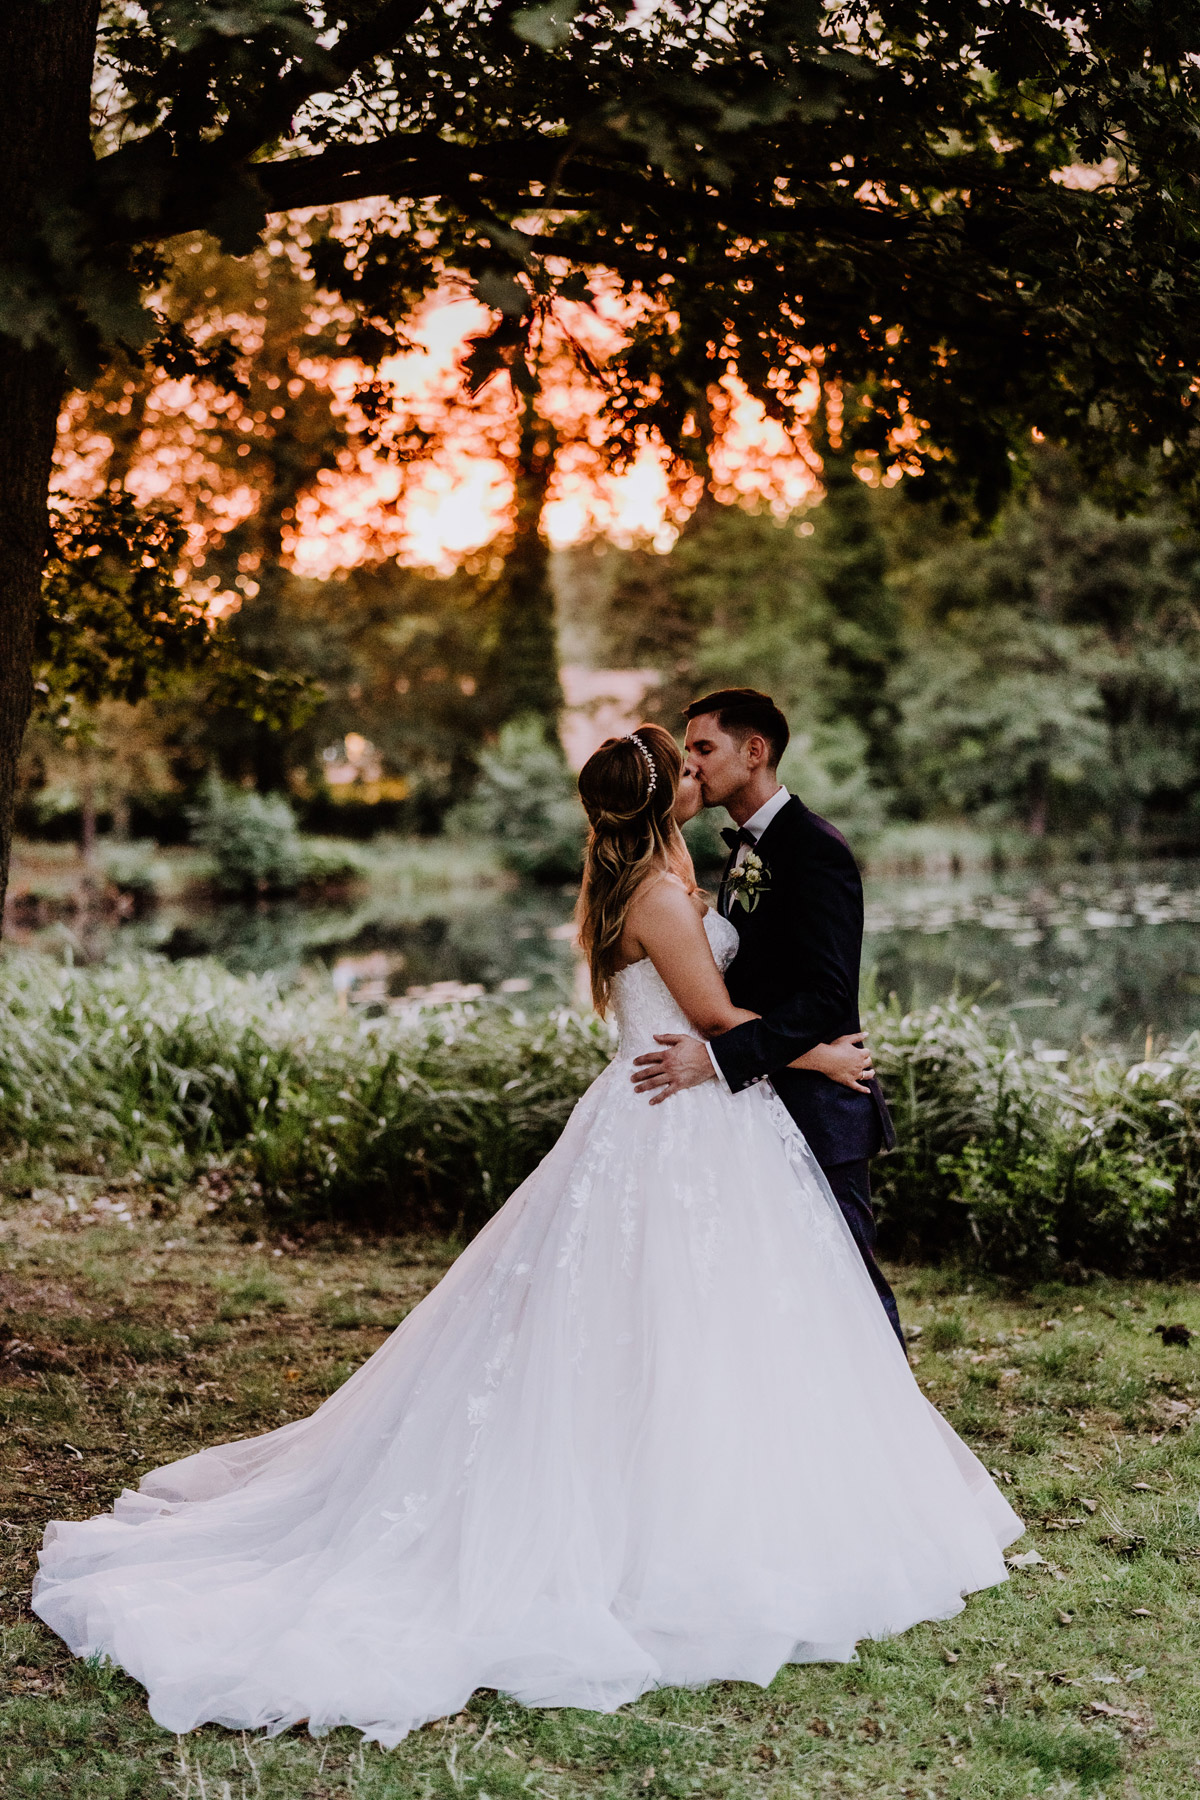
<point>548,26</point>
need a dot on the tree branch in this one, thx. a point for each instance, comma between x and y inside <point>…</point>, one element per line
<point>412,166</point>
<point>256,125</point>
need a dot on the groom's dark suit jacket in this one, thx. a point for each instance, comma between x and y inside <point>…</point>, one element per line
<point>798,965</point>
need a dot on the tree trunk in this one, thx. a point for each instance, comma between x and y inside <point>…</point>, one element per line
<point>87,818</point>
<point>46,56</point>
<point>524,665</point>
<point>1039,802</point>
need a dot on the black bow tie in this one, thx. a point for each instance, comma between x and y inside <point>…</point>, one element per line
<point>740,836</point>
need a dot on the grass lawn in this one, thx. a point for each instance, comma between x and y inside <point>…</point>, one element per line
<point>127,1344</point>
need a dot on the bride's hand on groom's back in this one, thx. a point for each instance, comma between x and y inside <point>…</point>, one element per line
<point>845,1061</point>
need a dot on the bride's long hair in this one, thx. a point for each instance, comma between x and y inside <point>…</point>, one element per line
<point>628,793</point>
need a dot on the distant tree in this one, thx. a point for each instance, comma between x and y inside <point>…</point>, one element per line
<point>238,448</point>
<point>862,635</point>
<point>735,601</point>
<point>1054,674</point>
<point>403,658</point>
<point>877,192</point>
<point>522,671</point>
<point>749,599</point>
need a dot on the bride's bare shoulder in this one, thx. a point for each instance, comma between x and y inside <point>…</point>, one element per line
<point>665,897</point>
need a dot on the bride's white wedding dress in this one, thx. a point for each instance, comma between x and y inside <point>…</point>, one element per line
<point>652,1428</point>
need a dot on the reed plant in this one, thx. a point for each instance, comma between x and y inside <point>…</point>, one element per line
<point>393,1120</point>
<point>1026,1160</point>
<point>432,1116</point>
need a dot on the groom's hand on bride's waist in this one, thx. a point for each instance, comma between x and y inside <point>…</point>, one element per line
<point>683,1062</point>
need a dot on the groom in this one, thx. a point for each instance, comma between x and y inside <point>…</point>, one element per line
<point>797,963</point>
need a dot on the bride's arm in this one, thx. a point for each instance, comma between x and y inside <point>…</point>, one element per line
<point>665,925</point>
<point>844,1060</point>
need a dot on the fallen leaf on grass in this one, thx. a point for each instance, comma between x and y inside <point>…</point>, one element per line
<point>1125,1543</point>
<point>1028,1559</point>
<point>1142,1612</point>
<point>1088,1505</point>
<point>1174,1334</point>
<point>820,1728</point>
<point>949,1656</point>
<point>1114,1712</point>
<point>1065,1618</point>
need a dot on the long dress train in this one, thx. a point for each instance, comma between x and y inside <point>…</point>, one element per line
<point>652,1428</point>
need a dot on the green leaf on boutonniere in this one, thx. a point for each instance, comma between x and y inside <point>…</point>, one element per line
<point>747,883</point>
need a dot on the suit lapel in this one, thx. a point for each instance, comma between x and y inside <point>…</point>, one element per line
<point>752,921</point>
<point>723,906</point>
<point>791,811</point>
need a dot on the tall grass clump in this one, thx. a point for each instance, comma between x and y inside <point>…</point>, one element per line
<point>1007,1160</point>
<point>1026,1164</point>
<point>396,1121</point>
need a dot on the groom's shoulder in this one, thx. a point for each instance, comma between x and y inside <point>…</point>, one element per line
<point>817,836</point>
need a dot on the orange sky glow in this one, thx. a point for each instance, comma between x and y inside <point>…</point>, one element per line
<point>456,501</point>
<point>439,508</point>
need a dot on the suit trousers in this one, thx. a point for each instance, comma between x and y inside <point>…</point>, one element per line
<point>851,1184</point>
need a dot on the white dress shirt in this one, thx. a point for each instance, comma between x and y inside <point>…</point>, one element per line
<point>757,823</point>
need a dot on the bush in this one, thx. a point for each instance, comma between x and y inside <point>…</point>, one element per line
<point>400,1121</point>
<point>1028,1165</point>
<point>134,867</point>
<point>433,1117</point>
<point>252,838</point>
<point>526,803</point>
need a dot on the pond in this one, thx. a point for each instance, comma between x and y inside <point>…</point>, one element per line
<point>1099,954</point>
<point>1106,954</point>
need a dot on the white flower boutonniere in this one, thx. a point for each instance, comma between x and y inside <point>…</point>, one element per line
<point>747,883</point>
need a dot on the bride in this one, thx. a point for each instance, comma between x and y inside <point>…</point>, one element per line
<point>653,1427</point>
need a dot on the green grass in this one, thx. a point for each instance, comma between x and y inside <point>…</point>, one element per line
<point>130,1346</point>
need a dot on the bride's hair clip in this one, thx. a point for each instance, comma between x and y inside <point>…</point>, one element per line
<point>633,738</point>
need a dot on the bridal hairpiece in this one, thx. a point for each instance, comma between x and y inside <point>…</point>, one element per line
<point>633,738</point>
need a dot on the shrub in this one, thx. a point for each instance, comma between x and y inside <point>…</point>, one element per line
<point>526,803</point>
<point>433,1117</point>
<point>252,838</point>
<point>1026,1165</point>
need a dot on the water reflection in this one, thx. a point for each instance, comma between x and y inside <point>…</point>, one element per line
<point>1106,954</point>
<point>387,949</point>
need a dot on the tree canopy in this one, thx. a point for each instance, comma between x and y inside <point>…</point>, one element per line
<point>970,221</point>
<point>980,216</point>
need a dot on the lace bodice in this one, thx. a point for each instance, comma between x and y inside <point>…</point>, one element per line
<point>642,1003</point>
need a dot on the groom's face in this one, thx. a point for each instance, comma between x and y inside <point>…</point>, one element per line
<point>720,762</point>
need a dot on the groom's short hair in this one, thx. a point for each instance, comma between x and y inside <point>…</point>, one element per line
<point>740,711</point>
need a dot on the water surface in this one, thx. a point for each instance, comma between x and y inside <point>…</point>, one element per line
<point>1107,954</point>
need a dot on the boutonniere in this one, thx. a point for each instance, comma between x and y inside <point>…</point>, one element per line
<point>747,883</point>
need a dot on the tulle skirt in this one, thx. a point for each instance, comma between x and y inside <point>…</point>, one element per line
<point>651,1429</point>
